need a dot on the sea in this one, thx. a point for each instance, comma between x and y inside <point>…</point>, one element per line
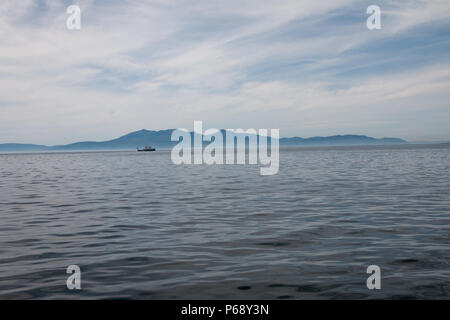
<point>140,227</point>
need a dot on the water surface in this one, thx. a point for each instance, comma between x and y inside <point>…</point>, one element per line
<point>140,227</point>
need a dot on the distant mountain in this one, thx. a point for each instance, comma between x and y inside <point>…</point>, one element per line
<point>342,140</point>
<point>158,139</point>
<point>161,139</point>
<point>7,147</point>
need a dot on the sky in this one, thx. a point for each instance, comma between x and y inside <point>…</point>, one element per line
<point>306,67</point>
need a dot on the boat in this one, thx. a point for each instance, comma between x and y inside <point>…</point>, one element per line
<point>146,148</point>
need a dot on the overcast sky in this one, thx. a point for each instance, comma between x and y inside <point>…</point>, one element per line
<point>307,67</point>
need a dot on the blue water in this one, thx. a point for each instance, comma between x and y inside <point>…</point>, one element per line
<point>140,227</point>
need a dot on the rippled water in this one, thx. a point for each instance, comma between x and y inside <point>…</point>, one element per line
<point>140,227</point>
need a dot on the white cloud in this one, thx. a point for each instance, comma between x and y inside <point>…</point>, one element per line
<point>162,64</point>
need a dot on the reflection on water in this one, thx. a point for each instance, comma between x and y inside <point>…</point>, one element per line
<point>140,227</point>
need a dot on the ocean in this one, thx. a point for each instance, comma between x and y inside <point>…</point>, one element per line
<point>140,227</point>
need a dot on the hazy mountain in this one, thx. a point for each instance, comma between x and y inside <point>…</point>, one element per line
<point>341,140</point>
<point>8,147</point>
<point>158,139</point>
<point>161,139</point>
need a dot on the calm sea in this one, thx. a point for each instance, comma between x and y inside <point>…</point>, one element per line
<point>140,227</point>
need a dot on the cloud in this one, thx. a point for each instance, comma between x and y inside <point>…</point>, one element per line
<point>307,67</point>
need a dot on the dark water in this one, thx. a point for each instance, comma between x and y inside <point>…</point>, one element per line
<point>140,227</point>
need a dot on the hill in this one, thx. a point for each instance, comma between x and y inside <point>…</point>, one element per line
<point>161,139</point>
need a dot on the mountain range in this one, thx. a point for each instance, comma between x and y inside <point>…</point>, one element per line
<point>161,139</point>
